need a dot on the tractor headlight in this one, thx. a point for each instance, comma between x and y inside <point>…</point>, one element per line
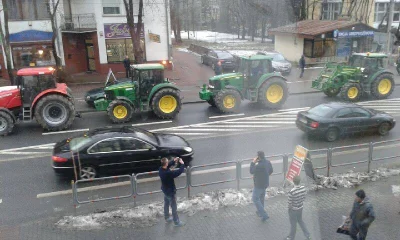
<point>211,86</point>
<point>105,96</point>
<point>188,149</point>
<point>362,69</point>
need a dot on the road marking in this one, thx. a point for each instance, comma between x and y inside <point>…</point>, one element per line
<point>151,123</point>
<point>290,109</point>
<point>207,129</point>
<point>193,134</point>
<point>280,122</point>
<point>1,200</point>
<point>231,115</point>
<point>20,153</point>
<point>29,147</point>
<point>25,157</point>
<point>69,131</point>
<point>396,190</point>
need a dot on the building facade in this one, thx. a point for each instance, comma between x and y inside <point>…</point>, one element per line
<point>382,9</point>
<point>93,35</point>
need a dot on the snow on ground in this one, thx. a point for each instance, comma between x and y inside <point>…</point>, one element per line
<point>396,190</point>
<point>216,37</point>
<point>149,214</point>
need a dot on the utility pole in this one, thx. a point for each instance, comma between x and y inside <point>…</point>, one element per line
<point>389,28</point>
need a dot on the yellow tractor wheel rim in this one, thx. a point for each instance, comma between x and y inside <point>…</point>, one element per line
<point>167,104</point>
<point>229,101</point>
<point>120,112</point>
<point>384,86</point>
<point>274,93</point>
<point>352,92</point>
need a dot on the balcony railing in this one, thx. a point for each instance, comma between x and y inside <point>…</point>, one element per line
<point>79,23</point>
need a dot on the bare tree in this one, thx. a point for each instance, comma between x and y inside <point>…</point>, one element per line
<point>5,37</point>
<point>135,30</point>
<point>52,9</point>
<point>175,19</point>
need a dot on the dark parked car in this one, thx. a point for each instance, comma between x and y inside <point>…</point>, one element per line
<point>117,149</point>
<point>332,120</point>
<point>97,93</point>
<point>279,63</point>
<point>227,60</point>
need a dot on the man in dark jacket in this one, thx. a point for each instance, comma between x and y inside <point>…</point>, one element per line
<point>362,215</point>
<point>169,189</point>
<point>398,65</point>
<point>302,65</point>
<point>127,65</point>
<point>261,168</point>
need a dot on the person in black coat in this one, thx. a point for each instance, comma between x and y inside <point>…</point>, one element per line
<point>302,65</point>
<point>362,215</point>
<point>168,187</point>
<point>127,65</point>
<point>261,168</point>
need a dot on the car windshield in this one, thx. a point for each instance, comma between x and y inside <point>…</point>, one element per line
<point>321,110</point>
<point>278,58</point>
<point>224,55</point>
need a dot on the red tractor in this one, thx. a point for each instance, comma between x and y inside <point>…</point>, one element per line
<point>37,95</point>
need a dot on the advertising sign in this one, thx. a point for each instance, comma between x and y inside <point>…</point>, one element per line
<point>118,30</point>
<point>154,37</point>
<point>351,34</point>
<point>299,156</point>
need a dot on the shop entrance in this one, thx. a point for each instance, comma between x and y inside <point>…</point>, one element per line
<point>91,61</point>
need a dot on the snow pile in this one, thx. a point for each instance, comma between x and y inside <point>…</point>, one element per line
<point>149,214</point>
<point>351,179</point>
<point>396,190</point>
<point>210,36</point>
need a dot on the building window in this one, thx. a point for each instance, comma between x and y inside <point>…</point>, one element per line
<point>33,56</point>
<point>319,48</point>
<point>382,9</point>
<point>111,7</point>
<point>117,49</point>
<point>28,9</point>
<point>331,10</point>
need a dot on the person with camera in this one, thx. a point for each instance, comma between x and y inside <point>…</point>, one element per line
<point>168,187</point>
<point>261,168</point>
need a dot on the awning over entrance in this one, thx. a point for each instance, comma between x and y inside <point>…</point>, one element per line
<point>30,36</point>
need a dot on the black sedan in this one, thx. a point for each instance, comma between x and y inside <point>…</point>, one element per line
<point>214,56</point>
<point>332,120</point>
<point>117,149</point>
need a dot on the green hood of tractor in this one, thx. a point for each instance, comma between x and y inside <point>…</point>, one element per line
<point>226,76</point>
<point>121,85</point>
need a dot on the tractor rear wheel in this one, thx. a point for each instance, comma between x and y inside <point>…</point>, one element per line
<point>166,103</point>
<point>211,102</point>
<point>273,93</point>
<point>332,92</point>
<point>382,86</point>
<point>119,111</point>
<point>6,124</point>
<point>351,92</point>
<point>55,112</point>
<point>228,101</point>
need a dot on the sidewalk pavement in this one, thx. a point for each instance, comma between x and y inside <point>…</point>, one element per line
<point>322,214</point>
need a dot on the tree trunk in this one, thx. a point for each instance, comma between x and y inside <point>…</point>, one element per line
<point>53,15</point>
<point>135,31</point>
<point>263,29</point>
<point>6,43</point>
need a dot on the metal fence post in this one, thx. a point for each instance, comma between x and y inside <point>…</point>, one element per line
<point>74,200</point>
<point>285,165</point>
<point>188,180</point>
<point>328,161</point>
<point>370,152</point>
<point>133,182</point>
<point>238,173</point>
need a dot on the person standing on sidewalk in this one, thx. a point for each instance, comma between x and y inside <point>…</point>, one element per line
<point>362,215</point>
<point>302,65</point>
<point>261,168</point>
<point>218,68</point>
<point>127,65</point>
<point>168,187</point>
<point>296,199</point>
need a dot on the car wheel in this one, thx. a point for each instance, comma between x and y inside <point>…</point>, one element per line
<point>332,134</point>
<point>384,128</point>
<point>88,172</point>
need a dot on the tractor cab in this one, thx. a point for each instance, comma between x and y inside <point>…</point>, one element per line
<point>254,67</point>
<point>367,62</point>
<point>33,81</point>
<point>145,77</point>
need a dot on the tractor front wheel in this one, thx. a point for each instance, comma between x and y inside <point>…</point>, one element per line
<point>382,86</point>
<point>6,124</point>
<point>166,103</point>
<point>228,101</point>
<point>273,93</point>
<point>351,92</point>
<point>332,92</point>
<point>55,112</point>
<point>119,111</point>
<point>211,101</point>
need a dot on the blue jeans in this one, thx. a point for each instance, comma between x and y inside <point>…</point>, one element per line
<point>171,201</point>
<point>258,200</point>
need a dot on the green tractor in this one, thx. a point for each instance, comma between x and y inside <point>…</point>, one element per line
<point>255,81</point>
<point>364,74</point>
<point>148,90</point>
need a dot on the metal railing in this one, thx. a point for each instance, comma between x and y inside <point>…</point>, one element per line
<point>237,167</point>
<point>79,22</point>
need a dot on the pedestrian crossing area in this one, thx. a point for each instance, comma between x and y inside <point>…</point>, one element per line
<point>282,119</point>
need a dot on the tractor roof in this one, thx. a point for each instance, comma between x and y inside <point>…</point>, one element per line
<point>35,71</point>
<point>257,57</point>
<point>148,66</point>
<point>371,55</point>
